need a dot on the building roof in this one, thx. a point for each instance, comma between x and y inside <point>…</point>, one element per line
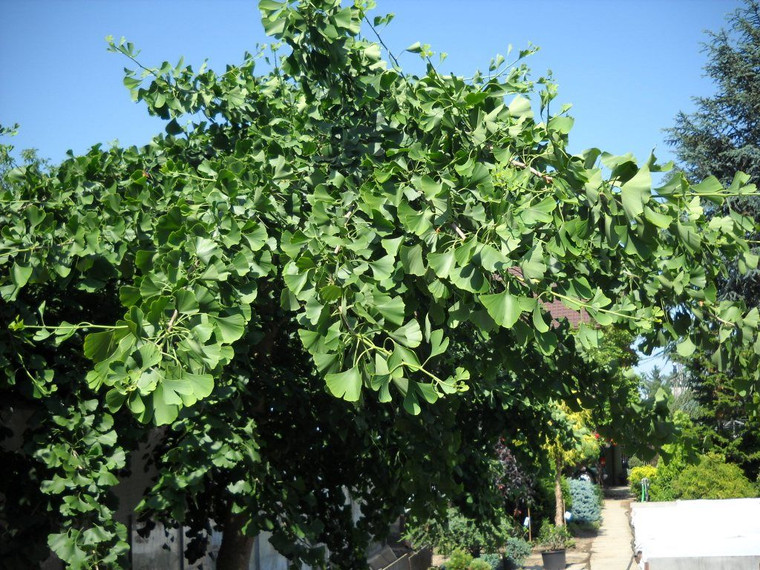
<point>556,308</point>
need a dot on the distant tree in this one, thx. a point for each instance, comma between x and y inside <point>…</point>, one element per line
<point>30,159</point>
<point>676,385</point>
<point>721,137</point>
<point>724,418</point>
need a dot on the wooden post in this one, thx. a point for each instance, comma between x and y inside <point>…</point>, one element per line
<point>530,524</point>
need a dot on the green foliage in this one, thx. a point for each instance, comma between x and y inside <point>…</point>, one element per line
<point>479,564</point>
<point>725,421</point>
<point>637,474</point>
<point>459,560</point>
<point>554,537</point>
<point>661,488</point>
<point>572,442</point>
<point>718,139</point>
<point>702,141</point>
<point>710,478</point>
<point>675,385</point>
<point>494,561</point>
<point>339,265</point>
<point>634,461</point>
<point>585,506</point>
<point>713,478</point>
<point>459,532</point>
<point>516,551</point>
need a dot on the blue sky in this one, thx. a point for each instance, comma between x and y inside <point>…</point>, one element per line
<point>627,66</point>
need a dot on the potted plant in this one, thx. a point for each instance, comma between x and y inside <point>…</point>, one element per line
<point>553,541</point>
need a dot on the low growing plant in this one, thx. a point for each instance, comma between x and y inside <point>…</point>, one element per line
<point>662,485</point>
<point>582,529</point>
<point>479,564</point>
<point>460,532</point>
<point>516,551</point>
<point>459,560</point>
<point>639,473</point>
<point>554,537</point>
<point>495,561</point>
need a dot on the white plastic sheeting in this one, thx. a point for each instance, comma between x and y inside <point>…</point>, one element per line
<point>698,534</point>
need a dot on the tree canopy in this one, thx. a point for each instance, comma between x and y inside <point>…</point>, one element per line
<point>331,277</point>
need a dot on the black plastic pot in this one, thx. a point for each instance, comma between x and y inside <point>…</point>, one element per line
<point>554,559</point>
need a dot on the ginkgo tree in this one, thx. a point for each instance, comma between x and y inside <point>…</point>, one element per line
<point>330,277</point>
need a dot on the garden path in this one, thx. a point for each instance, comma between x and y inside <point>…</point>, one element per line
<point>612,546</point>
<point>612,549</point>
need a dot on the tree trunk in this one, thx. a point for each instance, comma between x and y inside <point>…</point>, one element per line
<point>235,550</point>
<point>559,512</point>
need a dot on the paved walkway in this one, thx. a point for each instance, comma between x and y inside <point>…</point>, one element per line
<point>612,549</point>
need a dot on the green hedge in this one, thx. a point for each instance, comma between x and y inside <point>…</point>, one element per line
<point>713,478</point>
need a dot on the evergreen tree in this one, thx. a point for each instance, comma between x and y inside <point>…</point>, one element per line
<point>720,138</point>
<point>724,418</point>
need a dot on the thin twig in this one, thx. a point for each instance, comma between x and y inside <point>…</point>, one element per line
<point>458,230</point>
<point>546,178</point>
<point>382,43</point>
<point>173,320</point>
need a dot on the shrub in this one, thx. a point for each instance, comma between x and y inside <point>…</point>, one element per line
<point>517,550</point>
<point>637,474</point>
<point>662,485</point>
<point>634,462</point>
<point>460,532</point>
<point>479,564</point>
<point>582,529</point>
<point>554,537</point>
<point>494,561</point>
<point>459,560</point>
<point>713,478</point>
<point>586,508</point>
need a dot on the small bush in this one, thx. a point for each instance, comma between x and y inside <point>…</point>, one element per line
<point>493,560</point>
<point>459,560</point>
<point>554,537</point>
<point>460,532</point>
<point>582,529</point>
<point>713,478</point>
<point>662,485</point>
<point>479,564</point>
<point>637,474</point>
<point>634,462</point>
<point>517,550</point>
<point>586,508</point>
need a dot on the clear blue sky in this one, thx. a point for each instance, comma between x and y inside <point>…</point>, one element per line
<point>628,66</point>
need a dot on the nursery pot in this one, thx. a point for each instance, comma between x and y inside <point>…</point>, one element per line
<point>554,559</point>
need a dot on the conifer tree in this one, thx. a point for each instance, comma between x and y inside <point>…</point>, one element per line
<point>721,137</point>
